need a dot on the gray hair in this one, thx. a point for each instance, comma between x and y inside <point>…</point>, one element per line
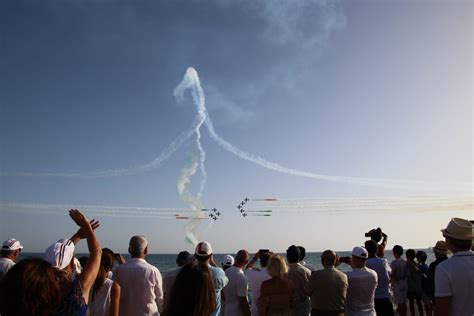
<point>137,245</point>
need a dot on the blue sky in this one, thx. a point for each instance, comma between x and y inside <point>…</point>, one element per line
<point>360,89</point>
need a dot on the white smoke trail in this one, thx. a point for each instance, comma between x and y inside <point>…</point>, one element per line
<point>155,163</point>
<point>191,81</point>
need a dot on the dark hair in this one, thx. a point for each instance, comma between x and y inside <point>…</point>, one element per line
<point>421,256</point>
<point>410,253</point>
<point>183,258</point>
<point>398,250</point>
<point>460,245</point>
<point>106,264</point>
<point>193,291</point>
<point>371,247</point>
<point>202,259</point>
<point>302,252</point>
<point>83,261</point>
<point>264,257</point>
<point>29,288</point>
<point>293,254</point>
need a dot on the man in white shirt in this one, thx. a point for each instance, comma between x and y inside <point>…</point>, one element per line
<point>141,283</point>
<point>236,291</point>
<point>454,277</point>
<point>11,249</point>
<point>362,283</point>
<point>257,276</point>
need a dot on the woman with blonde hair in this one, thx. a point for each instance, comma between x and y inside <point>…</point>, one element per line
<point>277,295</point>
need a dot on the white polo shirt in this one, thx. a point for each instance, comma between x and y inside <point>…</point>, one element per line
<point>141,288</point>
<point>361,292</point>
<point>455,278</point>
<point>237,287</point>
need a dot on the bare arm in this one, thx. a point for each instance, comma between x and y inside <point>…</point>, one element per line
<point>88,275</point>
<point>442,306</point>
<point>114,299</point>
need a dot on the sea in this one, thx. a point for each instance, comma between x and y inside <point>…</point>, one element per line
<point>167,262</point>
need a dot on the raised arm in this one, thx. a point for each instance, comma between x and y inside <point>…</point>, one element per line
<point>86,230</point>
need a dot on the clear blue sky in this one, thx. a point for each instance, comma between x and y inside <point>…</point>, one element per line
<point>375,89</point>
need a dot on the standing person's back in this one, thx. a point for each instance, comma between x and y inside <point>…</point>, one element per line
<point>236,291</point>
<point>300,276</point>
<point>11,249</point>
<point>256,277</point>
<point>362,283</point>
<point>399,280</point>
<point>141,283</point>
<point>455,276</point>
<point>383,300</point>
<point>327,288</point>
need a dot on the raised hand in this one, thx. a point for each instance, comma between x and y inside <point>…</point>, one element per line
<point>85,225</point>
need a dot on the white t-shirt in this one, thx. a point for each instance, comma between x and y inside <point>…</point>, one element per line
<point>100,305</point>
<point>237,287</point>
<point>361,292</point>
<point>455,278</point>
<point>383,270</point>
<point>256,278</point>
<point>5,265</point>
<point>141,288</point>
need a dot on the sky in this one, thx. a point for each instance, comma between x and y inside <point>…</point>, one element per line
<point>351,89</point>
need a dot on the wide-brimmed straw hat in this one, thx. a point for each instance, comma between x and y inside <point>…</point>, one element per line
<point>458,228</point>
<point>441,247</point>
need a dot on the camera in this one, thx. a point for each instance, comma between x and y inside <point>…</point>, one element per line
<point>375,234</point>
<point>260,251</point>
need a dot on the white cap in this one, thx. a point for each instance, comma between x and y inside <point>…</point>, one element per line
<point>228,260</point>
<point>203,249</point>
<point>360,252</point>
<point>60,254</point>
<point>11,244</point>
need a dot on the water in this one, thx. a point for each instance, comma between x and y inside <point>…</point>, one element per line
<point>167,262</point>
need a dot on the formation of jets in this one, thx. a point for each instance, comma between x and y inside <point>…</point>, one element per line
<point>240,207</point>
<point>214,214</point>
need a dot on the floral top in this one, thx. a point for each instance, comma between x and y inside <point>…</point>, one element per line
<point>73,303</point>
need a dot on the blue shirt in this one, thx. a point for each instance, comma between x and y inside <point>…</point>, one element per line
<point>220,281</point>
<point>383,270</point>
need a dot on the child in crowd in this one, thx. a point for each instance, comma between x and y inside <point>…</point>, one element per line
<point>414,280</point>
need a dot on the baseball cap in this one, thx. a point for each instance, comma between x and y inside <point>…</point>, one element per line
<point>60,253</point>
<point>203,249</point>
<point>11,244</point>
<point>360,252</point>
<point>228,260</point>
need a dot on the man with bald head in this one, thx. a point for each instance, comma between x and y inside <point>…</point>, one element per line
<point>141,283</point>
<point>327,287</point>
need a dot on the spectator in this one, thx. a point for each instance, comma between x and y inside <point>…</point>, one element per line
<point>256,277</point>
<point>300,276</point>
<point>362,284</point>
<point>440,251</point>
<point>193,291</point>
<point>75,288</point>
<point>30,289</point>
<point>203,254</point>
<point>383,300</point>
<point>454,278</point>
<point>104,299</point>
<point>141,283</point>
<point>278,294</point>
<point>236,291</point>
<point>421,257</point>
<point>414,279</point>
<point>399,280</point>
<point>169,278</point>
<point>11,249</point>
<point>327,288</point>
<point>227,262</point>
